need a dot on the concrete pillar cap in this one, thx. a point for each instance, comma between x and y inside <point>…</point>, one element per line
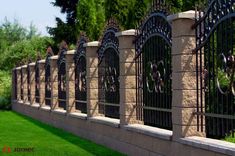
<point>130,32</point>
<point>54,57</point>
<point>32,64</point>
<point>70,52</point>
<point>24,66</point>
<point>182,15</point>
<point>42,61</point>
<point>92,44</point>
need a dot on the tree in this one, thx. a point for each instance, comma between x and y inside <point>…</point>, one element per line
<point>90,17</point>
<point>65,30</point>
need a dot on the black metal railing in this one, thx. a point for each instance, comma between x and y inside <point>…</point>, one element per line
<point>80,75</point>
<point>37,77</point>
<point>215,68</point>
<point>153,68</point>
<point>15,84</point>
<point>62,76</point>
<point>47,77</point>
<point>21,85</point>
<point>108,72</point>
<point>28,83</point>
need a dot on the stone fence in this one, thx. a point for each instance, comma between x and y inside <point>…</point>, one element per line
<point>126,134</point>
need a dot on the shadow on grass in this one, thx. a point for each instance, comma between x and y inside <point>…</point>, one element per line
<point>87,145</point>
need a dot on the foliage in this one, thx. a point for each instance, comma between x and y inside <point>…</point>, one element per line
<point>90,18</point>
<point>21,131</point>
<point>63,31</point>
<point>17,45</point>
<point>5,90</point>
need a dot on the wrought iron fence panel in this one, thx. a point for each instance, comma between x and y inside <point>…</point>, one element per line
<point>215,40</point>
<point>21,86</point>
<point>80,76</point>
<point>16,84</point>
<point>108,72</point>
<point>37,78</point>
<point>62,76</point>
<point>153,68</point>
<point>28,83</point>
<point>48,77</point>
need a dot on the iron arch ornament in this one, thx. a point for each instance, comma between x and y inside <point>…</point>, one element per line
<point>80,73</point>
<point>62,75</point>
<point>48,76</point>
<point>109,44</point>
<point>153,67</point>
<point>215,67</point>
<point>108,70</point>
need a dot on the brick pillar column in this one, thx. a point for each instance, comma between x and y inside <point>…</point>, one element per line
<point>92,78</point>
<point>18,73</point>
<point>32,83</point>
<point>54,82</point>
<point>70,81</point>
<point>127,77</point>
<point>42,82</point>
<point>24,85</point>
<point>183,76</point>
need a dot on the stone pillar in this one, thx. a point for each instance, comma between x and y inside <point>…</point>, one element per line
<point>70,81</point>
<point>24,85</point>
<point>18,73</point>
<point>42,82</point>
<point>54,82</point>
<point>184,100</point>
<point>32,83</point>
<point>92,78</point>
<point>127,77</point>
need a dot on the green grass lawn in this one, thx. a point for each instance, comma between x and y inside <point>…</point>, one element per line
<point>17,131</point>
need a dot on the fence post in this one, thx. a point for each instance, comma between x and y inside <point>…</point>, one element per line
<point>127,77</point>
<point>92,78</point>
<point>24,85</point>
<point>18,73</point>
<point>32,83</point>
<point>54,82</point>
<point>41,64</point>
<point>70,81</point>
<point>184,101</point>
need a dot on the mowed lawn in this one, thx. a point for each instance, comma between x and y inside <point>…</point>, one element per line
<point>18,131</point>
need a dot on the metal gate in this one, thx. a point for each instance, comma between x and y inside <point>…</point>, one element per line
<point>215,40</point>
<point>62,76</point>
<point>80,75</point>
<point>108,72</point>
<point>153,68</point>
<point>48,77</point>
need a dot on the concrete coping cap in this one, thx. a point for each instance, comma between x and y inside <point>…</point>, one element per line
<point>182,15</point>
<point>70,52</point>
<point>54,57</point>
<point>92,44</point>
<point>18,68</point>
<point>24,67</point>
<point>42,61</point>
<point>130,32</point>
<point>32,64</point>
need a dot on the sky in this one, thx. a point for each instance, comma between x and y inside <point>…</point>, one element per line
<point>40,12</point>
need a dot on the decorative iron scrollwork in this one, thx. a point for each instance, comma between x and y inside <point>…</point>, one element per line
<point>225,78</point>
<point>109,80</point>
<point>155,77</point>
<point>81,81</point>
